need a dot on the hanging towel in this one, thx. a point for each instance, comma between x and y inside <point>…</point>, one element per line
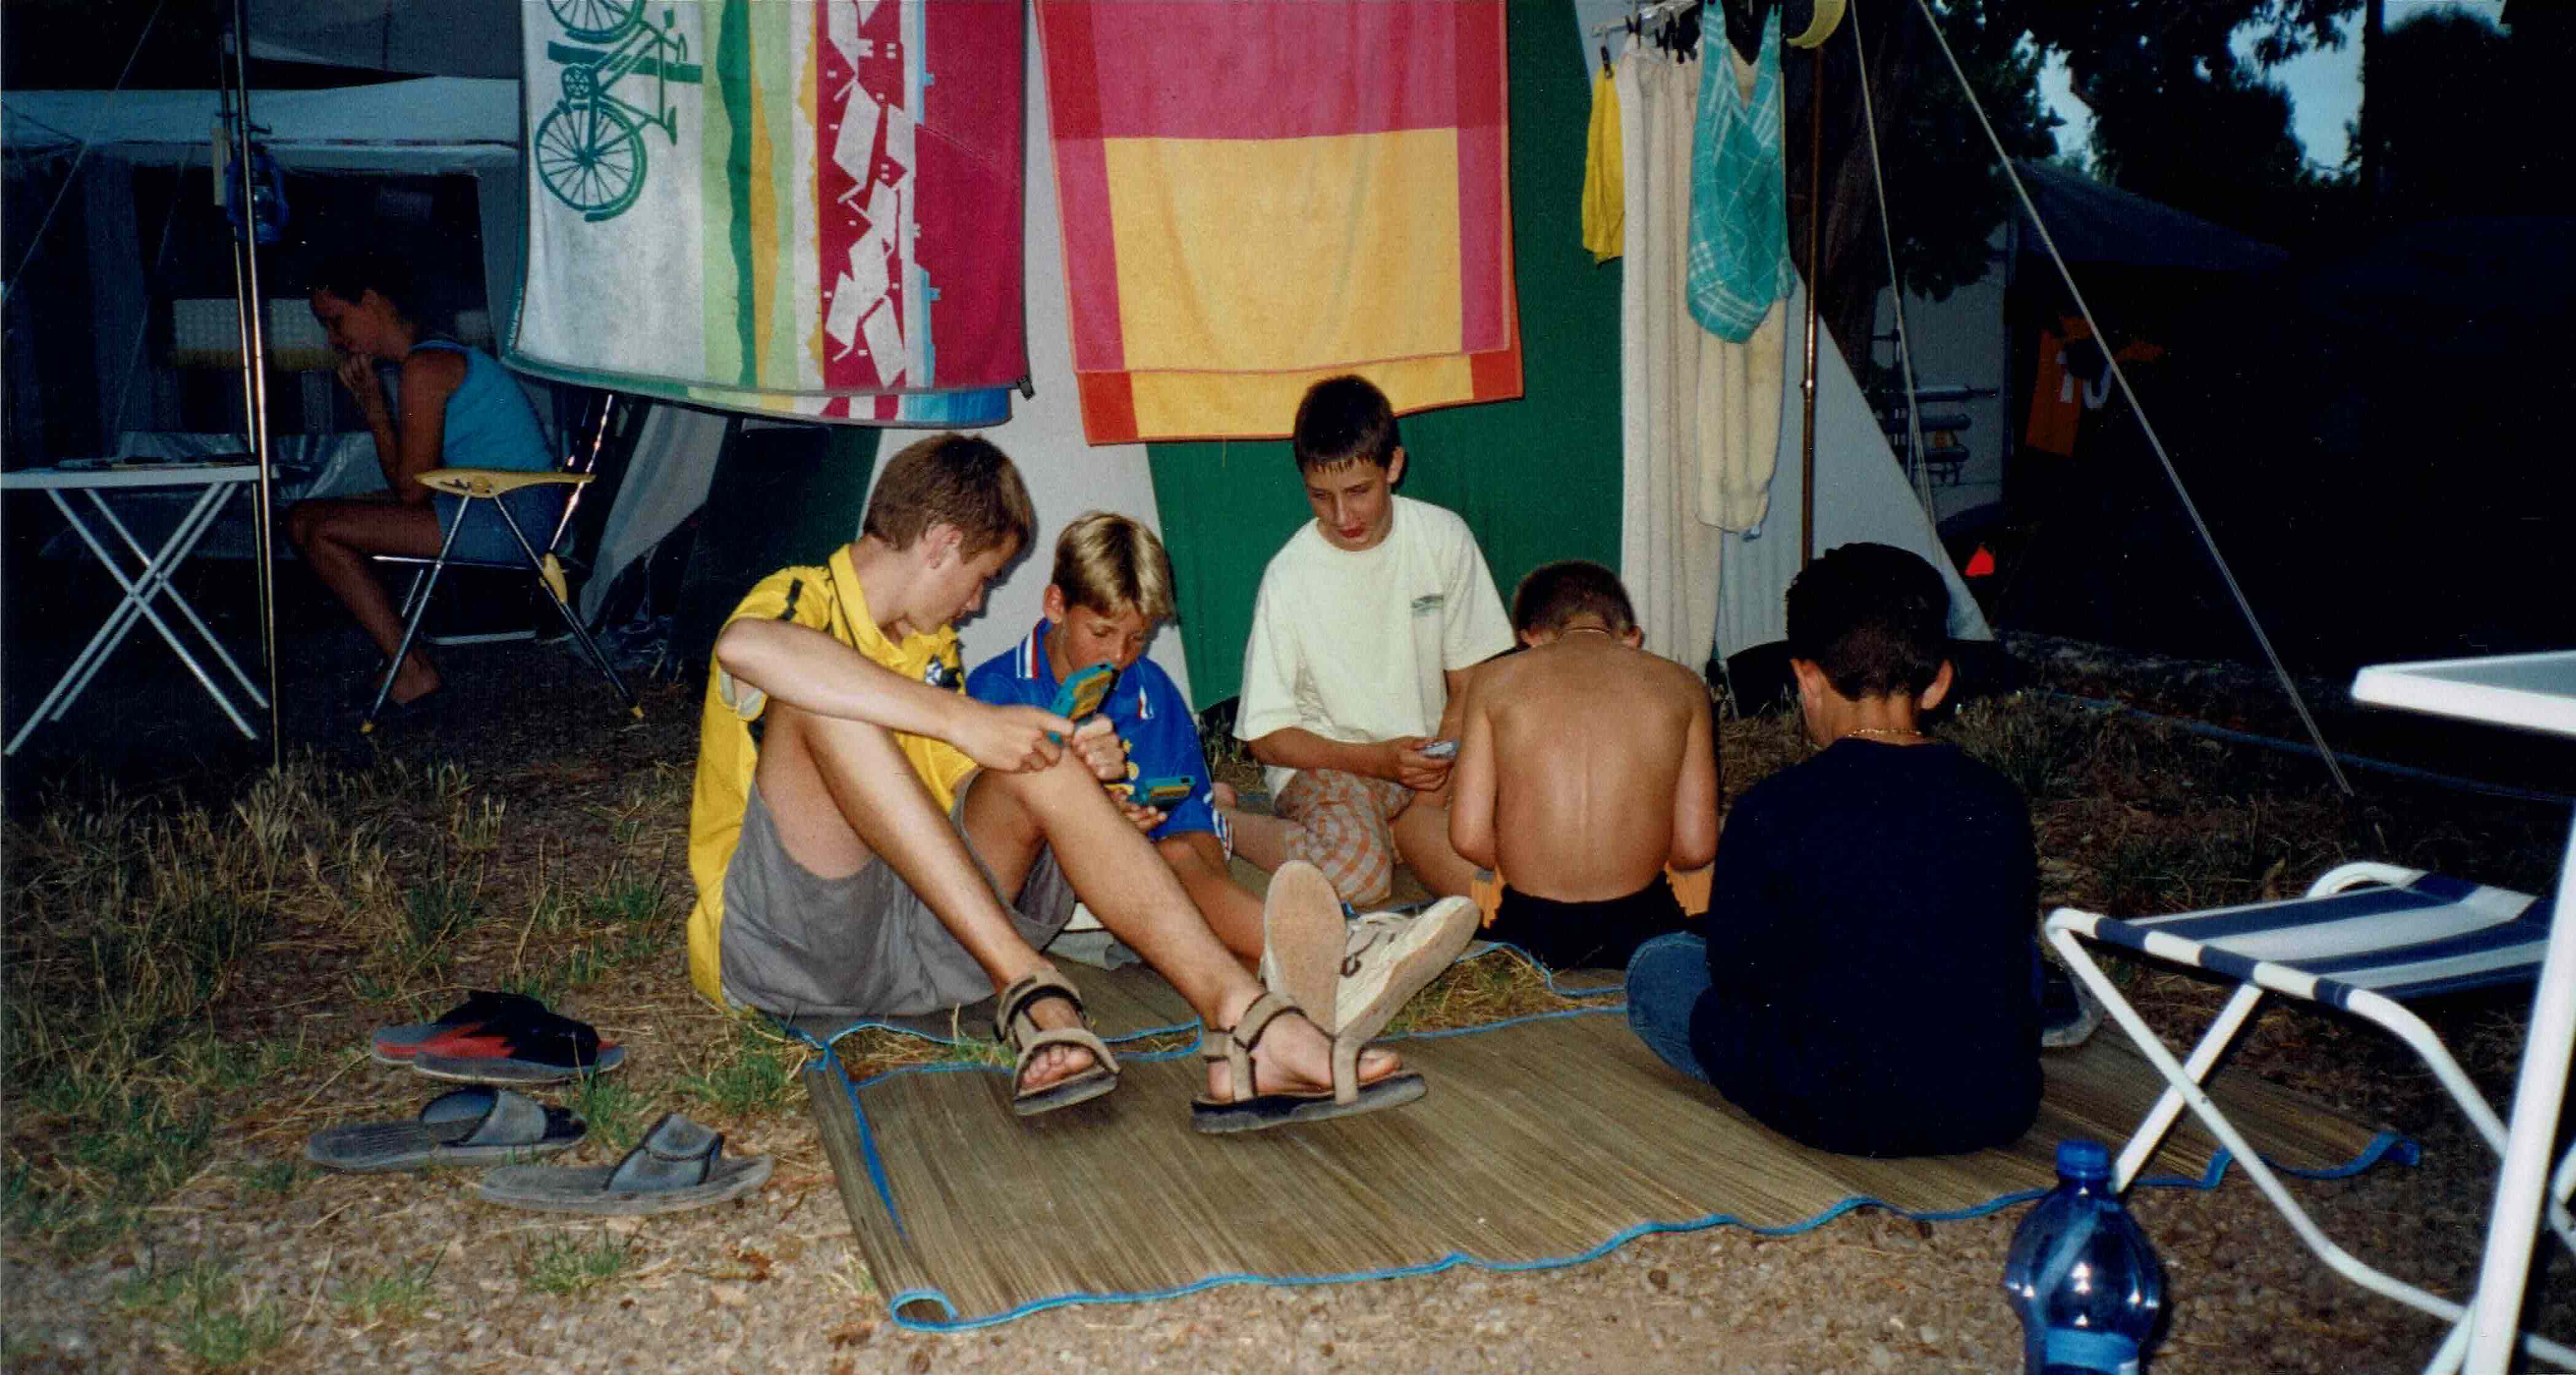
<point>1256,197</point>
<point>1604,195</point>
<point>1739,225</point>
<point>795,207</point>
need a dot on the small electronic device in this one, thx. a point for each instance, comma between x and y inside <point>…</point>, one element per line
<point>1441,749</point>
<point>1163,792</point>
<point>1083,693</point>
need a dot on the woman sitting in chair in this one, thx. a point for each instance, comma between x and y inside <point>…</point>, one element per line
<point>453,407</point>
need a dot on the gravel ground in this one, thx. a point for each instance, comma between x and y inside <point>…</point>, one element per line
<point>771,1283</point>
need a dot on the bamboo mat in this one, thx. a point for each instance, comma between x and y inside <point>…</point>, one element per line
<point>1133,1002</point>
<point>967,1215</point>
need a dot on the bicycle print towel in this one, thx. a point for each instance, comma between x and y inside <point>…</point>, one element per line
<point>799,207</point>
<point>1258,196</point>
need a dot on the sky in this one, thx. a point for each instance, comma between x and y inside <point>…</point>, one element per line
<point>2324,85</point>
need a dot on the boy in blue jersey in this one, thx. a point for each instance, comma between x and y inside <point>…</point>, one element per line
<point>1111,587</point>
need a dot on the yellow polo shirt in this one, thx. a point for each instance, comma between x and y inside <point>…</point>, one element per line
<point>830,600</point>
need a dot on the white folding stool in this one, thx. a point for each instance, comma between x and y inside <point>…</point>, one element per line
<point>2367,937</point>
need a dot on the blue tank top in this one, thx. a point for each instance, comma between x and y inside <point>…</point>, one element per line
<point>490,423</point>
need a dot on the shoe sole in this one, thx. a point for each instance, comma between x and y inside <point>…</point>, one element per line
<point>1301,940</point>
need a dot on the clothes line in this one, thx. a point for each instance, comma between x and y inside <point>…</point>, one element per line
<point>1646,14</point>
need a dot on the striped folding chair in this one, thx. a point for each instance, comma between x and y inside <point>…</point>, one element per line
<point>2366,939</point>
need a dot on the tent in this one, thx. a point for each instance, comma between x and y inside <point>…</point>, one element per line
<point>457,126</point>
<point>1538,478</point>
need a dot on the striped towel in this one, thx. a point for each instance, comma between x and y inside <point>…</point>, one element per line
<point>796,207</point>
<point>1739,213</point>
<point>1256,197</point>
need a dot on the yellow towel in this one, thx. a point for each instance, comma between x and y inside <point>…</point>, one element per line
<point>1605,192</point>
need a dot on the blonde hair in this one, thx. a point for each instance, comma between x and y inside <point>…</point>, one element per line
<point>951,479</point>
<point>1109,564</point>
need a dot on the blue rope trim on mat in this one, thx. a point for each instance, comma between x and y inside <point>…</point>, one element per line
<point>2385,1144</point>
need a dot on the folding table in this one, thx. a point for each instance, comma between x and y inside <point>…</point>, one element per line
<point>2534,692</point>
<point>149,578</point>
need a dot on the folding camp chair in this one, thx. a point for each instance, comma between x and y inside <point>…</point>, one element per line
<point>492,484</point>
<point>2367,937</point>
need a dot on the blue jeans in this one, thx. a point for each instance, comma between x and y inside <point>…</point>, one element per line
<point>1666,977</point>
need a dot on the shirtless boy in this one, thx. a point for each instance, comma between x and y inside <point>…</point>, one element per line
<point>1586,767</point>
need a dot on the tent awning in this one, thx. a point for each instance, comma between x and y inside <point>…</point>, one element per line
<point>427,125</point>
<point>444,38</point>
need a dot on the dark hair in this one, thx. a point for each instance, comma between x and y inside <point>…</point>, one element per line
<point>350,276</point>
<point>1556,593</point>
<point>951,479</point>
<point>1875,618</point>
<point>1344,418</point>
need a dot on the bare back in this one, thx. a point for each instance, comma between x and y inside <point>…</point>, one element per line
<point>1600,763</point>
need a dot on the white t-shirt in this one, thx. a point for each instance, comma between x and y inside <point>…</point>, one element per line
<point>1352,645</point>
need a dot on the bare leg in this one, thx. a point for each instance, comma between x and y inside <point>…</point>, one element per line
<point>1422,838</point>
<point>843,797</point>
<point>1231,910</point>
<point>1260,838</point>
<point>336,537</point>
<point>1140,900</point>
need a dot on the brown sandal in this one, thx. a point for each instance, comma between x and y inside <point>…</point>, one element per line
<point>1015,1028</point>
<point>1247,1110</point>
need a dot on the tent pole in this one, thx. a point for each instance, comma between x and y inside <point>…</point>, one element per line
<point>1807,381</point>
<point>254,344</point>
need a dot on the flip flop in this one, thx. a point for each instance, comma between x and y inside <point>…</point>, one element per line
<point>1014,1027</point>
<point>678,1165</point>
<point>396,1045</point>
<point>519,1048</point>
<point>477,1126</point>
<point>1253,1111</point>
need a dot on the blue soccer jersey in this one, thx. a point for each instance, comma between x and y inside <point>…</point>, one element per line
<point>1145,709</point>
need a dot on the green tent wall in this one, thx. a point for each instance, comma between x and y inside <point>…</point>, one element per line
<point>1537,479</point>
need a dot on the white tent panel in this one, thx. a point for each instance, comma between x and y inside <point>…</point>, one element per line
<point>1065,474</point>
<point>1861,496</point>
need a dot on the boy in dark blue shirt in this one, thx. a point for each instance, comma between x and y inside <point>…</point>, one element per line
<point>1865,984</point>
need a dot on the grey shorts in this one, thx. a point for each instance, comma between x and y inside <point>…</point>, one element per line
<point>863,945</point>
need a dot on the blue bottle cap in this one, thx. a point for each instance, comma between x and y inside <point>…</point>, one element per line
<point>2084,1159</point>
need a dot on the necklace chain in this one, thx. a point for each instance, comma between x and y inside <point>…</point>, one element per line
<point>1886,733</point>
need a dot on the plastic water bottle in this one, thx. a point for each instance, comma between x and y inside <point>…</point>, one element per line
<point>2081,1274</point>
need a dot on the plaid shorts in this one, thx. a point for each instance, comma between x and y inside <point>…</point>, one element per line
<point>1343,828</point>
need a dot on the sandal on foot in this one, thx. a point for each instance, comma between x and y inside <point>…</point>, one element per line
<point>479,1126</point>
<point>1015,1028</point>
<point>1302,941</point>
<point>1251,1110</point>
<point>678,1165</point>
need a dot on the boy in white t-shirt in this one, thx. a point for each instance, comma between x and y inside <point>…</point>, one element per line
<point>1365,626</point>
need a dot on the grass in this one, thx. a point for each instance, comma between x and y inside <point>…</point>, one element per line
<point>613,1110</point>
<point>397,1297</point>
<point>753,1074</point>
<point>564,1264</point>
<point>195,1302</point>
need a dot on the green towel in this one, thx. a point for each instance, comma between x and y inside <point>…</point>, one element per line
<point>1739,213</point>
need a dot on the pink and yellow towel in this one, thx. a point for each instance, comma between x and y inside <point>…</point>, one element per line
<point>1259,196</point>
